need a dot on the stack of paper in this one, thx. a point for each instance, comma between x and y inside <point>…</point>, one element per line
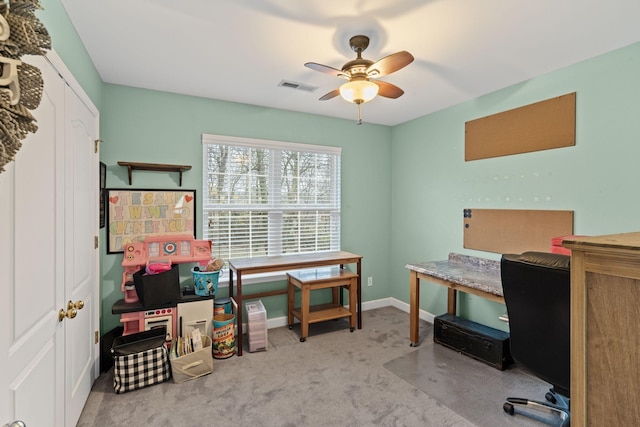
<point>188,344</point>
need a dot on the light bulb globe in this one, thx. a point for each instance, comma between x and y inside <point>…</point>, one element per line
<point>359,91</point>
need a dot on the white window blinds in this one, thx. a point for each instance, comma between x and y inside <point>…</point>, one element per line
<point>269,197</point>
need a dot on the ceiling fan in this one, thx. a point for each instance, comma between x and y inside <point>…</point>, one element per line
<point>360,72</point>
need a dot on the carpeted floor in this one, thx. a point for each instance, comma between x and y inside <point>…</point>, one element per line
<point>370,377</point>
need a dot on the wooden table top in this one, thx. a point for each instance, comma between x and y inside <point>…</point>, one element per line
<point>283,262</point>
<point>622,241</point>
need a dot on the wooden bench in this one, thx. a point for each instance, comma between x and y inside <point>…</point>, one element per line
<point>321,278</point>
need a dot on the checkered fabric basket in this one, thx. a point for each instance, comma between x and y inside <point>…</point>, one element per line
<point>140,370</point>
<point>140,360</point>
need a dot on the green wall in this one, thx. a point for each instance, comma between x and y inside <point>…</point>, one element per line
<point>147,126</point>
<point>67,44</point>
<point>157,127</point>
<point>597,178</point>
<point>404,187</point>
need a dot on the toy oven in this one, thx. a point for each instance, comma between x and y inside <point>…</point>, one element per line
<point>145,320</point>
<point>159,318</point>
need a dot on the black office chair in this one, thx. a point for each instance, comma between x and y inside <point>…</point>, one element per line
<point>536,288</point>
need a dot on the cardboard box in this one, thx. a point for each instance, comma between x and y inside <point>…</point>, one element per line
<point>193,365</point>
<point>157,290</point>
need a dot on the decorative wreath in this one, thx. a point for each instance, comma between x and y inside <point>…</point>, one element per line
<point>21,84</point>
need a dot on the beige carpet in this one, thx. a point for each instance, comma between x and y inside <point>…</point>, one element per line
<point>335,378</point>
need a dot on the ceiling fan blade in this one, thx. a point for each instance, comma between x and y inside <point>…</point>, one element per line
<point>388,90</point>
<point>389,64</point>
<point>326,69</point>
<point>331,94</point>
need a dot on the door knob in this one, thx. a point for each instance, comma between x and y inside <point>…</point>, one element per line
<point>69,314</point>
<point>16,423</point>
<point>78,305</point>
<point>72,310</point>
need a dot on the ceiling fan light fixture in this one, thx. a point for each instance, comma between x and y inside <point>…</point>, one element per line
<point>359,91</point>
<point>358,71</point>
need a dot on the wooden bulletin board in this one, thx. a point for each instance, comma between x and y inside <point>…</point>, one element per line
<point>514,231</point>
<point>540,126</point>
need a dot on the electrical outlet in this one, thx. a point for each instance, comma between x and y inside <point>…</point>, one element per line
<point>369,281</point>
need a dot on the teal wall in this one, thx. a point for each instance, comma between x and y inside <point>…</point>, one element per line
<point>157,127</point>
<point>147,126</point>
<point>597,178</point>
<point>404,187</point>
<point>67,44</point>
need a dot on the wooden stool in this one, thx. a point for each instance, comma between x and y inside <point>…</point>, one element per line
<point>321,278</point>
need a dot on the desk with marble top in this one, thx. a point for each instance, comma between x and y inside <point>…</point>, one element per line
<point>469,274</point>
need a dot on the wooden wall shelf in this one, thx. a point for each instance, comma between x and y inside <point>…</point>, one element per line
<point>131,166</point>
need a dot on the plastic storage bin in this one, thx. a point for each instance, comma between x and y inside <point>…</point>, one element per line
<point>256,326</point>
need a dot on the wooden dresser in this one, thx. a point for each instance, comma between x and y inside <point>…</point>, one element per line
<point>605,333</point>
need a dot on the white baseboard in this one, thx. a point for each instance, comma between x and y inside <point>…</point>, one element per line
<point>401,305</point>
<point>277,322</point>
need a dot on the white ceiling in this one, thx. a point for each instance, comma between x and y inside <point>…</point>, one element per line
<point>240,50</point>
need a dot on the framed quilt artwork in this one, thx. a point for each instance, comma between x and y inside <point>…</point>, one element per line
<point>133,215</point>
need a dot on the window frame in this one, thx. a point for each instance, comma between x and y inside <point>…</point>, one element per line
<point>273,206</point>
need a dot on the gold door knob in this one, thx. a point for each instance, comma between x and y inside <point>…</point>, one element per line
<point>78,305</point>
<point>69,314</point>
<point>72,310</point>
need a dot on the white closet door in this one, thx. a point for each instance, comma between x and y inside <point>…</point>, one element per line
<point>81,268</point>
<point>32,256</point>
<point>48,366</point>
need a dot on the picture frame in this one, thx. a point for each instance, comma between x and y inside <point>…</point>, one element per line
<point>134,214</point>
<point>101,193</point>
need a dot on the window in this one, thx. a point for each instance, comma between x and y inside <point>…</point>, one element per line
<point>269,198</point>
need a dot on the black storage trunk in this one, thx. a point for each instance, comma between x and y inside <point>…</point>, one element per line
<point>481,342</point>
<point>156,290</point>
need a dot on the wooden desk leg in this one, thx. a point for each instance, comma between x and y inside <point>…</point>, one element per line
<point>352,306</point>
<point>290,302</point>
<point>414,308</point>
<point>238,300</point>
<point>359,293</point>
<point>341,302</point>
<point>304,312</point>
<point>452,296</point>
<point>335,299</point>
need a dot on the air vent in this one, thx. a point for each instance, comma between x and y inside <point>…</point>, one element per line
<point>297,86</point>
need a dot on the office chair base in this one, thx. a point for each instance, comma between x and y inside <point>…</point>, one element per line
<point>561,409</point>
